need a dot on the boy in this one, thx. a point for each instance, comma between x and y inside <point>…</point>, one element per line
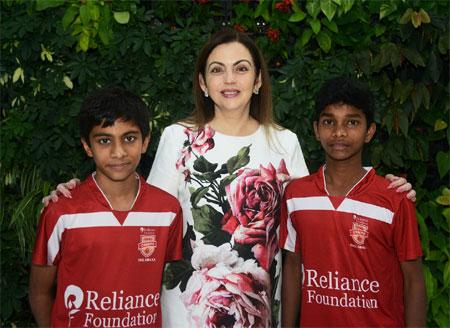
<point>351,243</point>
<point>104,249</point>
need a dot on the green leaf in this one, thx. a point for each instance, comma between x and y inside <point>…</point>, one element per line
<point>416,97</point>
<point>324,41</point>
<point>444,44</point>
<point>297,17</point>
<point>206,219</point>
<point>347,5</point>
<point>263,10</point>
<point>306,36</point>
<point>201,164</point>
<point>387,8</point>
<point>332,26</point>
<point>315,25</point>
<point>430,282</point>
<point>68,82</point>
<point>45,4</point>
<point>406,17</point>
<point>433,68</point>
<point>443,163</point>
<point>84,15</point>
<point>69,16</point>
<point>313,8</point>
<point>122,17</point>
<point>416,19</point>
<point>403,123</point>
<point>440,125</point>
<point>238,161</point>
<point>425,95</point>
<point>94,12</point>
<point>379,29</point>
<point>84,42</point>
<point>425,18</point>
<point>413,56</point>
<point>177,271</point>
<point>198,194</point>
<point>328,7</point>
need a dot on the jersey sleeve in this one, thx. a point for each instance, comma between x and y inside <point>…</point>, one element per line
<point>164,173</point>
<point>296,161</point>
<point>288,234</point>
<point>406,232</point>
<point>174,246</point>
<point>46,246</point>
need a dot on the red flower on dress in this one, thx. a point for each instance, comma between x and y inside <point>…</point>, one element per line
<point>199,141</point>
<point>273,34</point>
<point>255,196</point>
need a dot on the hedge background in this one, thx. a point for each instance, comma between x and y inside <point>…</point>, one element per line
<point>53,52</point>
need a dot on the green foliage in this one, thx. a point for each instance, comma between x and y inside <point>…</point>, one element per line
<point>55,52</point>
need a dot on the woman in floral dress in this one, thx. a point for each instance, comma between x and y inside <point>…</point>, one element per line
<point>227,165</point>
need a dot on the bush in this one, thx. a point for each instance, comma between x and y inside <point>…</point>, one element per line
<point>55,52</point>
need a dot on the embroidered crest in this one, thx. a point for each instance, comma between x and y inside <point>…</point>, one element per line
<point>147,244</point>
<point>359,231</point>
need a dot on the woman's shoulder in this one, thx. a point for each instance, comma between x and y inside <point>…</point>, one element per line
<point>282,134</point>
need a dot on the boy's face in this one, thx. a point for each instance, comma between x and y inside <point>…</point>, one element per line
<point>342,130</point>
<point>116,150</point>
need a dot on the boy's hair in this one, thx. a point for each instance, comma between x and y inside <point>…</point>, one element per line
<point>345,90</point>
<point>107,105</point>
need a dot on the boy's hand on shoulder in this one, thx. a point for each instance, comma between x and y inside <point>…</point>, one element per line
<point>61,189</point>
<point>401,185</point>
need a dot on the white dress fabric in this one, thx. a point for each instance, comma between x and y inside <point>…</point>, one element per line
<point>230,189</point>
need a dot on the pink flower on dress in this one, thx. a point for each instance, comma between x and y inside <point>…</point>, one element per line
<point>198,141</point>
<point>255,197</point>
<point>225,291</point>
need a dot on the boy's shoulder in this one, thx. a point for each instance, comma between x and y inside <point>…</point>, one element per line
<point>157,198</point>
<point>82,198</point>
<point>304,186</point>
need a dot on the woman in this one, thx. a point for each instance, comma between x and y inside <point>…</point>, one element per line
<point>227,164</point>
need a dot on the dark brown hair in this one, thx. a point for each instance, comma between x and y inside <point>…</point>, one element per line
<point>260,104</point>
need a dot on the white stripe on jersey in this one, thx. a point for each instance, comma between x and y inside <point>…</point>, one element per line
<point>103,219</point>
<point>291,238</point>
<point>348,206</point>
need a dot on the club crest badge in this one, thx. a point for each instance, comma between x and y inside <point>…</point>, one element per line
<point>359,231</point>
<point>147,243</point>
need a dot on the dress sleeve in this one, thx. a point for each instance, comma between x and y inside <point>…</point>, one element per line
<point>174,246</point>
<point>297,163</point>
<point>406,232</point>
<point>164,173</point>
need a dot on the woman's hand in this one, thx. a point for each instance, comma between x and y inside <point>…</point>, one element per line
<point>402,185</point>
<point>61,189</point>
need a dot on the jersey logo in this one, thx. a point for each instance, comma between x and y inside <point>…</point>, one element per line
<point>73,298</point>
<point>359,231</point>
<point>147,243</point>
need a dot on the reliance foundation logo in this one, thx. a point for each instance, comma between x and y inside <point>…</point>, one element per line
<point>116,309</point>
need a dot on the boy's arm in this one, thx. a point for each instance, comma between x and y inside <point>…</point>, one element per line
<point>414,293</point>
<point>291,289</point>
<point>42,293</point>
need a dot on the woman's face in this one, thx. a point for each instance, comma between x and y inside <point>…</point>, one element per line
<point>230,77</point>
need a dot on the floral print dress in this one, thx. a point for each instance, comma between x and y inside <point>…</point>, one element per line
<point>230,189</point>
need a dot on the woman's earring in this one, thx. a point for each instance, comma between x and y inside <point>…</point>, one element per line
<point>206,93</point>
<point>256,91</point>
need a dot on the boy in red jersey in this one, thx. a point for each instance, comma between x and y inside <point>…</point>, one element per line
<point>99,256</point>
<point>352,246</point>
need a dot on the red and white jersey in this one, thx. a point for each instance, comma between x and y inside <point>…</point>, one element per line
<point>109,263</point>
<point>351,249</point>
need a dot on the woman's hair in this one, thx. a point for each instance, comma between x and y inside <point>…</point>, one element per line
<point>260,104</point>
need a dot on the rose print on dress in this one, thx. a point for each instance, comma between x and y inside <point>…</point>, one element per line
<point>198,141</point>
<point>254,197</point>
<point>225,290</point>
